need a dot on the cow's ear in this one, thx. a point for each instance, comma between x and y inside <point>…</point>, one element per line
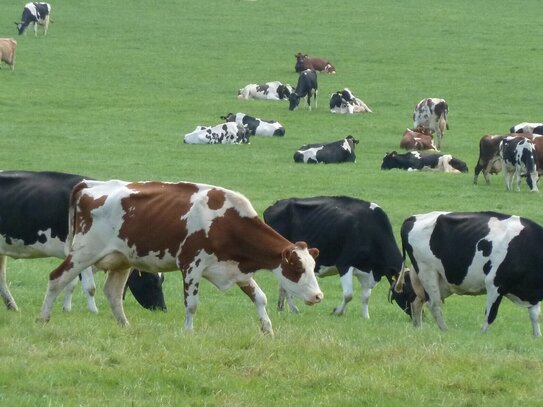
<point>285,255</point>
<point>314,252</point>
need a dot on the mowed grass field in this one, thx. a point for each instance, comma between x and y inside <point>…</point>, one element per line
<point>112,89</point>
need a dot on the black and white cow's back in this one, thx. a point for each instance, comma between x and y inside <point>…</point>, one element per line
<point>36,14</point>
<point>226,133</point>
<point>415,161</point>
<point>474,253</point>
<point>256,126</point>
<point>527,127</point>
<point>354,237</point>
<point>327,153</point>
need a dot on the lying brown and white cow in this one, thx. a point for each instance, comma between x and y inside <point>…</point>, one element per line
<point>202,230</point>
<point>417,139</point>
<point>8,46</point>
<point>303,62</point>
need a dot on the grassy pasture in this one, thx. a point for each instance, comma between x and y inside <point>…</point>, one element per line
<point>111,96</point>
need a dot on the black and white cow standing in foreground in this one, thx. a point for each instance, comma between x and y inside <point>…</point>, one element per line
<point>307,86</point>
<point>226,133</point>
<point>266,91</point>
<point>35,13</point>
<point>415,161</point>
<point>354,237</point>
<point>472,253</point>
<point>340,151</point>
<point>34,224</point>
<point>256,126</point>
<point>519,158</point>
<point>344,101</point>
<point>432,113</point>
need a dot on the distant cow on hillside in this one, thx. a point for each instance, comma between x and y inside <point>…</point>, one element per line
<point>414,161</point>
<point>518,155</point>
<point>266,91</point>
<point>256,126</point>
<point>417,139</point>
<point>226,133</point>
<point>303,62</point>
<point>36,14</point>
<point>344,101</point>
<point>432,113</point>
<point>340,151</point>
<point>8,46</point>
<point>307,86</point>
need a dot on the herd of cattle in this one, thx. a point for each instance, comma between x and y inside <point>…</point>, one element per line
<point>135,231</point>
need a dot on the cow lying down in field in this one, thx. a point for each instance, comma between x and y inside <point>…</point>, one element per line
<point>266,91</point>
<point>256,126</point>
<point>414,161</point>
<point>226,133</point>
<point>344,101</point>
<point>418,139</point>
<point>327,153</point>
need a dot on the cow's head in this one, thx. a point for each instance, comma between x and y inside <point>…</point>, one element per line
<point>300,56</point>
<point>21,27</point>
<point>243,134</point>
<point>147,289</point>
<point>389,161</point>
<point>404,295</point>
<point>284,91</point>
<point>294,101</point>
<point>330,68</point>
<point>296,273</point>
<point>230,117</point>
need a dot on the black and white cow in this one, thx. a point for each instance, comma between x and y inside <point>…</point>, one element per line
<point>474,253</point>
<point>340,151</point>
<point>35,13</point>
<point>414,161</point>
<point>256,126</point>
<point>344,101</point>
<point>354,237</point>
<point>266,91</point>
<point>307,86</point>
<point>526,127</point>
<point>226,133</point>
<point>34,224</point>
<point>432,113</point>
<point>518,157</point>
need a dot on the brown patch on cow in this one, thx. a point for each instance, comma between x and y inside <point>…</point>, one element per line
<point>215,199</point>
<point>291,264</point>
<point>83,217</point>
<point>65,265</point>
<point>153,217</point>
<point>250,291</point>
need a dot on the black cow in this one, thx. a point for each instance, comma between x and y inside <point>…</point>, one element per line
<point>472,253</point>
<point>35,13</point>
<point>307,86</point>
<point>328,153</point>
<point>34,223</point>
<point>354,237</point>
<point>413,161</point>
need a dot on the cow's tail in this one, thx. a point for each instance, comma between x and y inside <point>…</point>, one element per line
<point>400,280</point>
<point>72,214</point>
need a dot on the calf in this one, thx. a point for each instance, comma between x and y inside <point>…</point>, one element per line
<point>34,224</point>
<point>226,133</point>
<point>472,253</point>
<point>328,153</point>
<point>268,91</point>
<point>417,139</point>
<point>413,161</point>
<point>202,230</point>
<point>8,46</point>
<point>432,113</point>
<point>256,126</point>
<point>35,13</point>
<point>344,101</point>
<point>304,62</point>
<point>307,86</point>
<point>354,237</point>
<point>526,127</point>
<point>518,156</point>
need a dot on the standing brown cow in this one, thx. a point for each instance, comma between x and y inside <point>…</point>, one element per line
<point>8,46</point>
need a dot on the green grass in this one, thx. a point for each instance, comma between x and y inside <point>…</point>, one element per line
<point>111,95</point>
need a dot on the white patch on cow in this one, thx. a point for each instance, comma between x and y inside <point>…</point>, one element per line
<point>346,146</point>
<point>310,153</point>
<point>19,250</point>
<point>224,274</point>
<point>373,206</point>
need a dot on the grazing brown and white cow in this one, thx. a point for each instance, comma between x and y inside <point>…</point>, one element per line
<point>8,46</point>
<point>518,156</point>
<point>266,91</point>
<point>344,101</point>
<point>417,139</point>
<point>303,62</point>
<point>432,113</point>
<point>202,230</point>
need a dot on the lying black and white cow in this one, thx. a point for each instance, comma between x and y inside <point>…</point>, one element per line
<point>526,127</point>
<point>34,224</point>
<point>340,151</point>
<point>473,253</point>
<point>307,86</point>
<point>344,101</point>
<point>226,133</point>
<point>413,161</point>
<point>354,237</point>
<point>256,126</point>
<point>266,91</point>
<point>519,158</point>
<point>35,13</point>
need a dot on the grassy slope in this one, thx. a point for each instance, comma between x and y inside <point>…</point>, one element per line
<point>111,95</point>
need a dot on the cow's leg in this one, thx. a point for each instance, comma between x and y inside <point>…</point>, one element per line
<point>518,180</point>
<point>46,25</point>
<point>68,293</point>
<point>416,311</point>
<point>493,300</point>
<point>4,289</point>
<point>430,282</point>
<point>508,180</point>
<point>36,29</point>
<point>315,98</point>
<point>309,101</point>
<point>283,295</point>
<point>59,278</point>
<point>257,296</point>
<point>534,312</point>
<point>113,289</point>
<point>346,279</point>
<point>191,284</point>
<point>367,283</point>
<point>89,288</point>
